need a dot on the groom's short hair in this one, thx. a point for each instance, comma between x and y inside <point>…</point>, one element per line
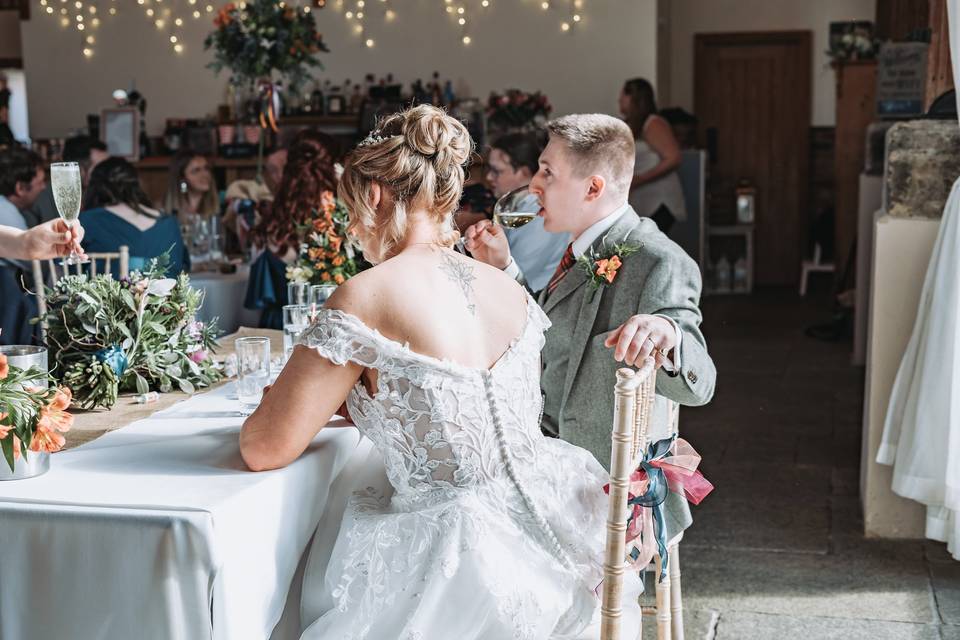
<point>598,144</point>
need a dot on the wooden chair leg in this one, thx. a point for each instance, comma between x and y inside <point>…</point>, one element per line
<point>676,597</point>
<point>663,603</point>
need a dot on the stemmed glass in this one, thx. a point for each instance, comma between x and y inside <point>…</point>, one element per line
<point>66,186</point>
<point>516,208</point>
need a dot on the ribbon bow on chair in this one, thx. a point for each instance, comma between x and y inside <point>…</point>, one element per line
<point>668,465</point>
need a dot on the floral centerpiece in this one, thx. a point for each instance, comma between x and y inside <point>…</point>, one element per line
<point>135,334</point>
<point>852,41</point>
<point>516,110</point>
<point>255,38</point>
<point>33,417</point>
<point>327,253</point>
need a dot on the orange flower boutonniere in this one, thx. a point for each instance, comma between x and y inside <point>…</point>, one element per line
<point>603,266</point>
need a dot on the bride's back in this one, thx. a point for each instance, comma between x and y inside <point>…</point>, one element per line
<point>441,303</point>
<point>401,186</point>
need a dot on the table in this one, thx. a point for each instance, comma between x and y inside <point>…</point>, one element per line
<point>157,530</point>
<point>224,294</point>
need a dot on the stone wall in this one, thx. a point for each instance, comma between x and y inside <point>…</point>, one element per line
<point>923,161</point>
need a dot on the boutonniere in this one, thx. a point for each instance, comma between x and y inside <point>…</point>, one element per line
<point>603,265</point>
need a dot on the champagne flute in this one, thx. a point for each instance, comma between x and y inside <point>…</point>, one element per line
<point>65,184</point>
<point>516,208</point>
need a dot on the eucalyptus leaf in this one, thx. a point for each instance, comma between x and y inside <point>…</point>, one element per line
<point>186,387</point>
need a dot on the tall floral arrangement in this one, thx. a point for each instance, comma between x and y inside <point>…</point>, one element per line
<point>257,37</point>
<point>33,416</point>
<point>327,253</point>
<point>136,334</point>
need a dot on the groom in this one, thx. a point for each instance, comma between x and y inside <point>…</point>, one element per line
<point>647,305</point>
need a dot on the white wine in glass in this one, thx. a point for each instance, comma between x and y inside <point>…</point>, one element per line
<point>516,208</point>
<point>65,184</point>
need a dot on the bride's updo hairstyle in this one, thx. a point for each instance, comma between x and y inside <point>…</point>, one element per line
<point>418,157</point>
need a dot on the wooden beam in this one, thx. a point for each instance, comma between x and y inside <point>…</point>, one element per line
<point>939,66</point>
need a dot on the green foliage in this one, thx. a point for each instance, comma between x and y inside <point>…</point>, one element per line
<point>137,334</point>
<point>264,36</point>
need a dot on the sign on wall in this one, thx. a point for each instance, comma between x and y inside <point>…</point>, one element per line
<point>901,79</point>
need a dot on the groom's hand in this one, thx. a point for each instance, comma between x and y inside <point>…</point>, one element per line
<point>638,337</point>
<point>487,243</point>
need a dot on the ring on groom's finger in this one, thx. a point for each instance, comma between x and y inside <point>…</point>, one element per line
<point>657,349</point>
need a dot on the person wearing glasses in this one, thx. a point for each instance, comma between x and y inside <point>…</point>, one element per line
<point>513,160</point>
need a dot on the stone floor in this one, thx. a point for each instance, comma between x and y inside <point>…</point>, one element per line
<point>777,551</point>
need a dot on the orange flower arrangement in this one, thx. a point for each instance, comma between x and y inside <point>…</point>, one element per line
<point>32,417</point>
<point>326,253</point>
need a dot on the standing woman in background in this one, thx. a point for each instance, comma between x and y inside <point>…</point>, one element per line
<point>655,191</point>
<point>192,190</point>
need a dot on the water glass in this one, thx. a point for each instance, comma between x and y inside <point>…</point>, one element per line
<point>296,319</point>
<point>298,293</point>
<point>319,293</point>
<point>253,371</point>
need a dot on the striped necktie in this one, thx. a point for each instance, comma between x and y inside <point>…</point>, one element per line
<point>566,263</point>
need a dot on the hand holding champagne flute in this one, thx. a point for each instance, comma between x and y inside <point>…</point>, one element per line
<point>66,186</point>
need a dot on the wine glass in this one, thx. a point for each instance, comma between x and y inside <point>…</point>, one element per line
<point>65,184</point>
<point>516,208</point>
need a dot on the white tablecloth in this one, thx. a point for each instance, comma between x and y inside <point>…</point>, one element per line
<point>224,294</point>
<point>158,531</point>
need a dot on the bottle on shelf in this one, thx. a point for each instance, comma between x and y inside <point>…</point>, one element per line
<point>722,270</point>
<point>740,275</point>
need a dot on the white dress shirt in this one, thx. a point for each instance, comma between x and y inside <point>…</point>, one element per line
<point>580,246</point>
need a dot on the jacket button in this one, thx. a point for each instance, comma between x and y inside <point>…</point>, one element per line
<point>692,377</point>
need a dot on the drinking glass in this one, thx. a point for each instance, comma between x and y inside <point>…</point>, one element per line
<point>200,239</point>
<point>216,240</point>
<point>516,208</point>
<point>298,293</point>
<point>319,294</point>
<point>253,371</point>
<point>65,184</point>
<point>296,318</point>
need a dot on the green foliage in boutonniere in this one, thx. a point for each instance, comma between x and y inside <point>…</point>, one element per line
<point>602,266</point>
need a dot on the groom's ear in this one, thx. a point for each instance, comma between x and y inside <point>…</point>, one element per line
<point>596,185</point>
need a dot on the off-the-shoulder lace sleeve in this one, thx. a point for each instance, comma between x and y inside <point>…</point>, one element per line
<point>536,315</point>
<point>340,337</point>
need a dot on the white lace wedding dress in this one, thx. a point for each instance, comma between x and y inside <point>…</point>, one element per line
<point>492,532</point>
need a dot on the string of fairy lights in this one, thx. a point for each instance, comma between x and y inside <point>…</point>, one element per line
<point>169,16</point>
<point>460,13</point>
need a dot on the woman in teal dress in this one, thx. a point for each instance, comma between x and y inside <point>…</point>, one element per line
<point>117,212</point>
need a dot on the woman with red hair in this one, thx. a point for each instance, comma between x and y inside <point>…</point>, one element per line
<point>309,173</point>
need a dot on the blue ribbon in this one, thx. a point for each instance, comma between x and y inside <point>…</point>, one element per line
<point>114,357</point>
<point>654,497</point>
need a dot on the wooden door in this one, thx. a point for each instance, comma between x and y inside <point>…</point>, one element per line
<point>752,98</point>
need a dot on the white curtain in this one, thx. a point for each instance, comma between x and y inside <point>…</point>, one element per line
<point>921,434</point>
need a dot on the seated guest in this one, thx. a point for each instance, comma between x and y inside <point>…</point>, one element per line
<point>308,173</point>
<point>276,237</point>
<point>22,178</point>
<point>192,190</point>
<point>117,212</point>
<point>273,166</point>
<point>85,151</point>
<point>513,160</point>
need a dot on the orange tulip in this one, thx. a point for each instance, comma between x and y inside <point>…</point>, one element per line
<point>4,367</point>
<point>339,279</point>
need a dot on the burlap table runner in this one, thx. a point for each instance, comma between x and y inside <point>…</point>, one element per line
<point>90,425</point>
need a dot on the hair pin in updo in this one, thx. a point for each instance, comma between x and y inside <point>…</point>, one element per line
<point>373,138</point>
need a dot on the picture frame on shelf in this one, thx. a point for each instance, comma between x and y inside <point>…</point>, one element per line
<point>120,131</point>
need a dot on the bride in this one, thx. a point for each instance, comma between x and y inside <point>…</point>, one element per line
<point>493,531</point>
